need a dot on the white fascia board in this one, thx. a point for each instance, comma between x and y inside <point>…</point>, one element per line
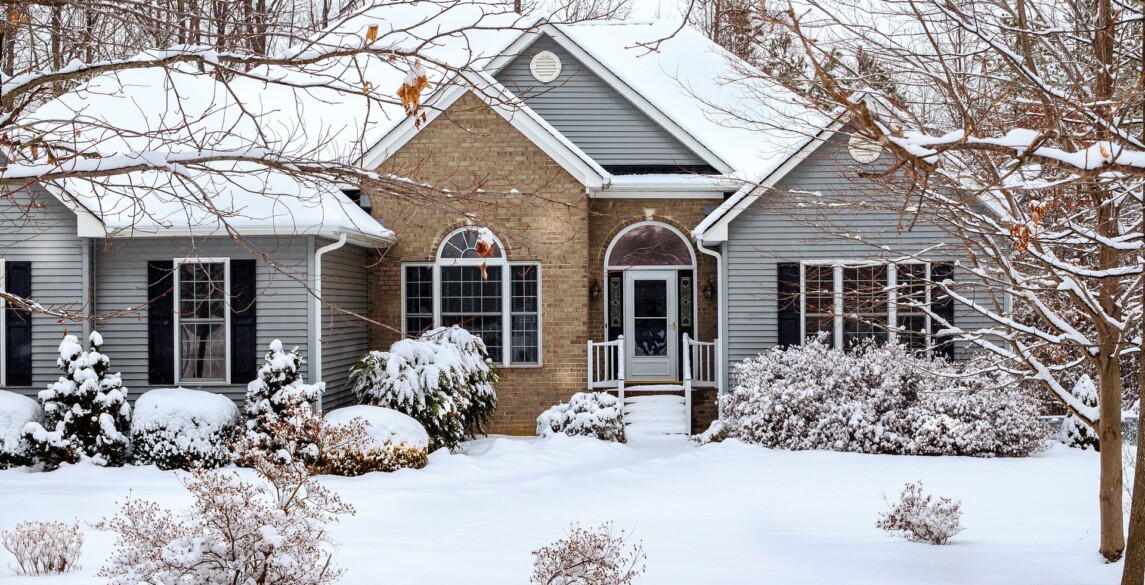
<point>740,202</point>
<point>352,236</point>
<point>88,225</point>
<point>642,104</point>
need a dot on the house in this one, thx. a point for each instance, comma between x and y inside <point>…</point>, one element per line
<point>636,186</point>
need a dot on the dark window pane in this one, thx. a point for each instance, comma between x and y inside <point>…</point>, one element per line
<point>203,351</point>
<point>651,337</point>
<point>464,291</point>
<point>488,328</point>
<point>914,330</point>
<point>871,326</point>
<point>819,290</point>
<point>524,289</point>
<point>816,325</point>
<point>525,339</point>
<point>650,298</point>
<point>650,245</point>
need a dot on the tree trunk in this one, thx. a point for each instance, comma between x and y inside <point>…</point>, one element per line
<point>1111,492</point>
<point>1133,572</point>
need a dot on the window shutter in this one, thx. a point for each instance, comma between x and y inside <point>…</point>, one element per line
<point>244,323</point>
<point>943,306</point>
<point>18,326</point>
<point>787,289</point>
<point>161,322</point>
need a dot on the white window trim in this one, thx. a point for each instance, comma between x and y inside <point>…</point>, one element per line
<point>506,296</point>
<point>837,296</point>
<point>226,262</point>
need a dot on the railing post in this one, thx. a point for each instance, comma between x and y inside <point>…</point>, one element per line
<point>620,370</point>
<point>590,368</point>
<point>687,357</point>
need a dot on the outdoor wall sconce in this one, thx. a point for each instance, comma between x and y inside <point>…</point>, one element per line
<point>709,289</point>
<point>594,289</point>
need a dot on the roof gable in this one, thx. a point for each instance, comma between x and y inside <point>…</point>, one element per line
<point>593,115</point>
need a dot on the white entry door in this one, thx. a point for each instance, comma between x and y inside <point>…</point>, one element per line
<point>650,334</point>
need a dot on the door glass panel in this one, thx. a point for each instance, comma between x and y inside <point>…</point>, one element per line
<point>650,317</point>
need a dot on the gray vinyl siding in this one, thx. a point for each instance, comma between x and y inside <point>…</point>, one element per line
<point>345,336</point>
<point>121,297</point>
<point>39,229</point>
<point>590,113</point>
<point>777,229</point>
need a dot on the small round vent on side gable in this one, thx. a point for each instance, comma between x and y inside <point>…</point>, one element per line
<point>545,66</point>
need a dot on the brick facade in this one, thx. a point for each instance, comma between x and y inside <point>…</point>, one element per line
<point>504,182</point>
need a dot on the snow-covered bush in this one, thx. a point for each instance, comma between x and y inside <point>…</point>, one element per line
<point>278,390</point>
<point>1073,431</point>
<point>362,439</point>
<point>593,414</point>
<point>716,432</point>
<point>177,428</point>
<point>44,548</point>
<point>921,518</point>
<point>272,532</point>
<point>86,411</point>
<point>444,379</point>
<point>16,411</point>
<point>589,557</point>
<point>878,399</point>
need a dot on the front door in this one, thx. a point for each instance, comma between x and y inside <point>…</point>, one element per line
<point>650,324</point>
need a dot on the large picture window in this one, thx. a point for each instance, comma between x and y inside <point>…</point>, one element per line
<point>202,320</point>
<point>473,285</point>
<point>846,303</point>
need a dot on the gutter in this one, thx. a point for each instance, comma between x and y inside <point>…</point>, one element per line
<point>316,351</point>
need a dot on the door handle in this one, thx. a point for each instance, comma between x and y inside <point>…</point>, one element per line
<point>673,325</point>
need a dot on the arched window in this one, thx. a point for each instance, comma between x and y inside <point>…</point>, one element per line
<point>649,244</point>
<point>472,284</point>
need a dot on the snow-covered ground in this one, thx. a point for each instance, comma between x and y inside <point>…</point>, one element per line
<point>724,513</point>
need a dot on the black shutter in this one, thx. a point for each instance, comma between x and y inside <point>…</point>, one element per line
<point>943,306</point>
<point>18,326</point>
<point>787,289</point>
<point>161,322</point>
<point>615,304</point>
<point>244,322</point>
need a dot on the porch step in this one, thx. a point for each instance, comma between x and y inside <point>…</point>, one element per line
<point>656,414</point>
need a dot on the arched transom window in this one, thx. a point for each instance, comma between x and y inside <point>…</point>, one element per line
<point>649,244</point>
<point>472,284</point>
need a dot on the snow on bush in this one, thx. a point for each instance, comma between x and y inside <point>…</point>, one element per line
<point>444,379</point>
<point>44,548</point>
<point>16,411</point>
<point>277,390</point>
<point>177,428</point>
<point>1073,431</point>
<point>716,433</point>
<point>589,557</point>
<point>86,411</point>
<point>921,518</point>
<point>593,414</point>
<point>272,532</point>
<point>878,399</point>
<point>361,439</point>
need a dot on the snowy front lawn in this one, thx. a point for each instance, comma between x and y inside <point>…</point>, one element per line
<point>723,513</point>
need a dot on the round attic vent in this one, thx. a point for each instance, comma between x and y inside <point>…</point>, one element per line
<point>545,66</point>
<point>864,150</point>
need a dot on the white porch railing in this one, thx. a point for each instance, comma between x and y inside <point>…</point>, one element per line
<point>606,366</point>
<point>701,370</point>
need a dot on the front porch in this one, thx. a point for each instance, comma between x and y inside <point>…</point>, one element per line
<point>700,370</point>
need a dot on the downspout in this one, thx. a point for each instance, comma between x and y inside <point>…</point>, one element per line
<point>721,319</point>
<point>316,351</point>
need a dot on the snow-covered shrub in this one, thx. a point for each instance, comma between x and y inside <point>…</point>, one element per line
<point>177,428</point>
<point>593,414</point>
<point>589,557</point>
<point>362,439</point>
<point>272,532</point>
<point>278,390</point>
<point>44,548</point>
<point>878,399</point>
<point>1073,431</point>
<point>86,411</point>
<point>921,518</point>
<point>716,432</point>
<point>16,411</point>
<point>444,379</point>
